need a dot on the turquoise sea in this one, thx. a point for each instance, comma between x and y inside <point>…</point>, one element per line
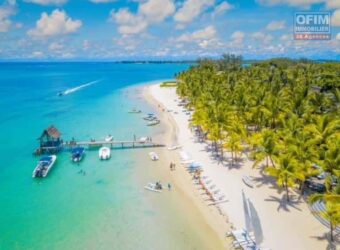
<point>105,209</point>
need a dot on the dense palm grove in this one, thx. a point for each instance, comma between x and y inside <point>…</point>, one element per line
<point>284,113</point>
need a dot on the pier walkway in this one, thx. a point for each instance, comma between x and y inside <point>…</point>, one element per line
<point>113,144</point>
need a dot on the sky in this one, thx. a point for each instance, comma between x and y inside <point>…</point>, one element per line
<point>94,30</point>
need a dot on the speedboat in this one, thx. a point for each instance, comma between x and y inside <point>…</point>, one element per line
<point>135,111</point>
<point>153,156</point>
<point>153,123</point>
<point>44,166</point>
<point>154,187</point>
<point>109,138</point>
<point>104,153</point>
<point>77,154</point>
<point>150,118</point>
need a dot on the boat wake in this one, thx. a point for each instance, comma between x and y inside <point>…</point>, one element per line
<point>75,89</point>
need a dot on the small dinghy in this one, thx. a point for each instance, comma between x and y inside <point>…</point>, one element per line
<point>104,153</point>
<point>153,123</point>
<point>77,154</point>
<point>109,138</point>
<point>248,181</point>
<point>44,166</point>
<point>155,187</point>
<point>153,156</point>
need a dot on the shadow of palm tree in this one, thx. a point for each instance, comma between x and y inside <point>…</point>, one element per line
<point>326,237</point>
<point>283,204</point>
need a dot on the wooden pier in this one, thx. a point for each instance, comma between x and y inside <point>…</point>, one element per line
<point>51,143</point>
<point>113,144</point>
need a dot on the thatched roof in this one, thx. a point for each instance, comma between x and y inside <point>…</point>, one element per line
<point>51,131</point>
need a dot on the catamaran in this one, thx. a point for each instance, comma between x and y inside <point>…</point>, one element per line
<point>77,154</point>
<point>44,166</point>
<point>104,153</point>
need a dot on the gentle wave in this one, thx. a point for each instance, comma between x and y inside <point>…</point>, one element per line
<point>75,89</point>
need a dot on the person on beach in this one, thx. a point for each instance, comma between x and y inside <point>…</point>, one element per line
<point>169,186</point>
<point>170,166</point>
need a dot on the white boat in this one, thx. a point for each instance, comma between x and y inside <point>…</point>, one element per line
<point>153,123</point>
<point>109,138</point>
<point>248,180</point>
<point>153,156</point>
<point>44,166</point>
<point>104,153</point>
<point>153,187</point>
<point>143,139</point>
<point>135,111</point>
<point>174,147</point>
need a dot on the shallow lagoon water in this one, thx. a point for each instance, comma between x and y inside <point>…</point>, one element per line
<point>105,209</point>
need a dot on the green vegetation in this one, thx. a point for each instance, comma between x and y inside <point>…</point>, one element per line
<point>169,84</point>
<point>285,112</point>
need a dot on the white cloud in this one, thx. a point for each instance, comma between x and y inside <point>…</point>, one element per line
<point>6,11</point>
<point>222,7</point>
<point>192,9</point>
<point>335,21</point>
<point>102,1</point>
<point>86,45</point>
<point>207,33</point>
<point>203,38</point>
<point>303,3</point>
<point>37,54</point>
<point>58,23</point>
<point>149,12</point>
<point>55,46</point>
<point>333,4</point>
<point>262,37</point>
<point>47,2</point>
<point>276,25</point>
<point>238,37</point>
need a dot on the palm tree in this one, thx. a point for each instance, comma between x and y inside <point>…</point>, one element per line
<point>286,173</point>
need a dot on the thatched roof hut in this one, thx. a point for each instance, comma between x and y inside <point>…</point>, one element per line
<point>51,132</point>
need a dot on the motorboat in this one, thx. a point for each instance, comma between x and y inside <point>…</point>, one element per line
<point>104,153</point>
<point>150,118</point>
<point>153,156</point>
<point>109,138</point>
<point>143,139</point>
<point>77,154</point>
<point>155,187</point>
<point>135,111</point>
<point>153,123</point>
<point>44,166</point>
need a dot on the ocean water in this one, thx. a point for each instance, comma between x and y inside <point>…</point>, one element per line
<point>105,209</point>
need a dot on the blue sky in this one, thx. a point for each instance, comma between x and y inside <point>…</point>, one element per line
<point>159,29</point>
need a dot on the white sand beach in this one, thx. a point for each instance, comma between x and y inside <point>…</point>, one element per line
<point>262,209</point>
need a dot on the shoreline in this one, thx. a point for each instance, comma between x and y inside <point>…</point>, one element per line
<point>182,180</point>
<point>293,222</point>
